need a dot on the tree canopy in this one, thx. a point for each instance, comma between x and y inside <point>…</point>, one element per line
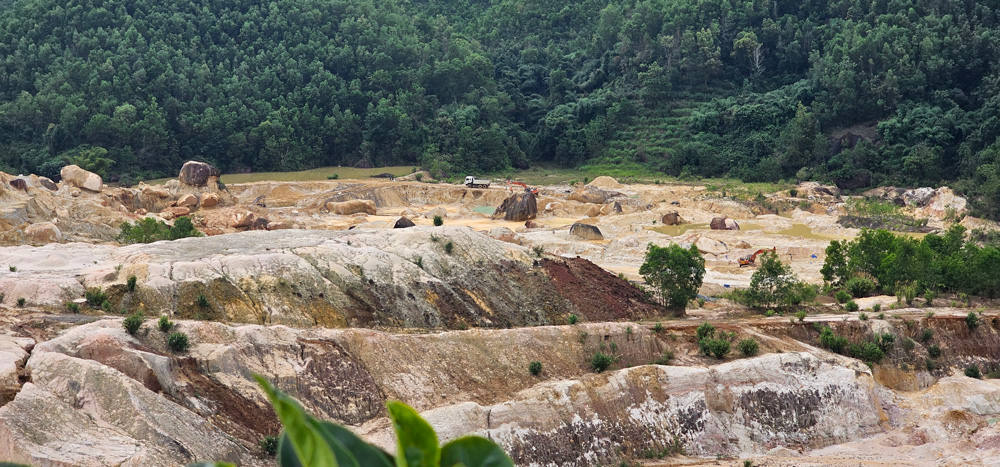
<point>859,93</point>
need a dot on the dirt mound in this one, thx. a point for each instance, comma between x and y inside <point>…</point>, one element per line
<point>605,182</point>
<point>606,297</point>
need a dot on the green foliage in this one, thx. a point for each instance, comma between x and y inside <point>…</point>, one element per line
<point>178,342</point>
<point>885,341</point>
<point>600,361</point>
<point>829,340</point>
<point>705,330</point>
<point>164,324</point>
<point>72,307</point>
<point>717,347</point>
<point>133,322</point>
<point>21,302</point>
<point>842,296</point>
<point>934,351</point>
<point>877,307</point>
<point>438,221</point>
<point>675,272</point>
<point>972,320</point>
<point>801,315</point>
<point>852,306</point>
<point>130,283</point>
<point>908,344</point>
<point>95,296</point>
<point>106,306</point>
<point>773,284</point>
<point>929,297</point>
<point>449,247</point>
<point>868,352</point>
<point>927,334</point>
<point>538,250</point>
<point>748,347</point>
<point>573,318</point>
<point>710,344</point>
<point>972,371</point>
<point>202,301</point>
<point>658,327</point>
<point>269,444</point>
<point>148,230</point>
<point>535,368</point>
<point>332,177</point>
<point>860,287</point>
<point>666,358</point>
<point>12,268</point>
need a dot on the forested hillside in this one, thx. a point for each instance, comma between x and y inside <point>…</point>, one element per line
<point>759,90</point>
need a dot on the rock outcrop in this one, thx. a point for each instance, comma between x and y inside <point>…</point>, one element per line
<point>346,208</point>
<point>519,207</point>
<point>194,173</point>
<point>586,231</point>
<point>403,223</point>
<point>671,218</point>
<point>80,178</point>
<point>43,232</point>
<point>724,223</point>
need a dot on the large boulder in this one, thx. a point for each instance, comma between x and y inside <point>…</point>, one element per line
<point>436,212</point>
<point>278,225</point>
<point>592,195</point>
<point>12,358</point>
<point>346,208</point>
<point>19,184</point>
<point>403,223</point>
<point>242,220</point>
<point>174,212</point>
<point>504,235</point>
<point>946,203</point>
<point>209,200</point>
<point>586,231</point>
<point>724,223</point>
<point>44,232</point>
<point>48,184</point>
<point>196,173</point>
<point>671,218</point>
<point>80,178</point>
<point>918,196</point>
<point>518,207</point>
<point>188,201</point>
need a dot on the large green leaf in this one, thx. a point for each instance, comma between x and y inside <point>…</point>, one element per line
<point>286,453</point>
<point>366,454</point>
<point>416,442</point>
<point>344,457</point>
<point>306,438</point>
<point>474,451</point>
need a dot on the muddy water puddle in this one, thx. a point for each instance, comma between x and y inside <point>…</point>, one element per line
<point>796,230</point>
<point>484,209</point>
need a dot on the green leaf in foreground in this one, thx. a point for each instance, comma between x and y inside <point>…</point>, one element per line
<point>308,442</point>
<point>366,454</point>
<point>416,441</point>
<point>474,451</point>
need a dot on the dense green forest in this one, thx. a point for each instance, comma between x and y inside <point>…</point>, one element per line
<point>754,89</point>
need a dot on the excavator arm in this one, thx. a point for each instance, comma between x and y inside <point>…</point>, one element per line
<point>752,259</point>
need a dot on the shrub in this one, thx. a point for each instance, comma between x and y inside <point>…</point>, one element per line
<point>748,347</point>
<point>675,272</point>
<point>535,368</point>
<point>773,284</point>
<point>538,250</point>
<point>972,320</point>
<point>573,319</point>
<point>862,316</point>
<point>333,176</point>
<point>666,358</point>
<point>449,247</point>
<point>178,342</point>
<point>106,306</point>
<point>95,296</point>
<point>829,340</point>
<point>269,444</point>
<point>929,297</point>
<point>658,327</point>
<point>972,371</point>
<point>964,299</point>
<point>868,352</point>
<point>164,324</point>
<point>860,286</point>
<point>72,307</point>
<point>793,193</point>
<point>885,341</point>
<point>132,322</point>
<point>202,301</point>
<point>927,334</point>
<point>705,330</point>
<point>882,316</point>
<point>12,268</point>
<point>600,361</point>
<point>438,221</point>
<point>418,177</point>
<point>930,364</point>
<point>769,313</point>
<point>130,283</point>
<point>908,344</point>
<point>21,302</point>
<point>842,296</point>
<point>801,315</point>
<point>877,307</point>
<point>717,347</point>
<point>851,306</point>
<point>148,230</point>
<point>934,351</point>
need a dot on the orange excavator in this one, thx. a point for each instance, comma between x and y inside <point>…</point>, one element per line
<point>749,260</point>
<point>533,191</point>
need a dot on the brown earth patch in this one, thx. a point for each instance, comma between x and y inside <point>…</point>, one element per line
<point>596,293</point>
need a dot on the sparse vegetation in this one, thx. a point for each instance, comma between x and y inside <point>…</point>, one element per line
<point>95,297</point>
<point>202,301</point>
<point>666,358</point>
<point>658,327</point>
<point>860,287</point>
<point>929,296</point>
<point>133,322</point>
<point>842,296</point>
<point>877,307</point>
<point>972,320</point>
<point>538,250</point>
<point>106,306</point>
<point>130,283</point>
<point>269,444</point>
<point>148,230</point>
<point>972,371</point>
<point>600,361</point>
<point>21,302</point>
<point>852,306</point>
<point>535,368</point>
<point>12,268</point>
<point>926,334</point>
<point>333,176</point>
<point>449,247</point>
<point>178,342</point>
<point>908,344</point>
<point>801,315</point>
<point>881,316</point>
<point>72,307</point>
<point>774,285</point>
<point>748,347</point>
<point>164,324</point>
<point>573,318</point>
<point>934,351</point>
<point>438,221</point>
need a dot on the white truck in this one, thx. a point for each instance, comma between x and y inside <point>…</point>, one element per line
<point>473,182</point>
